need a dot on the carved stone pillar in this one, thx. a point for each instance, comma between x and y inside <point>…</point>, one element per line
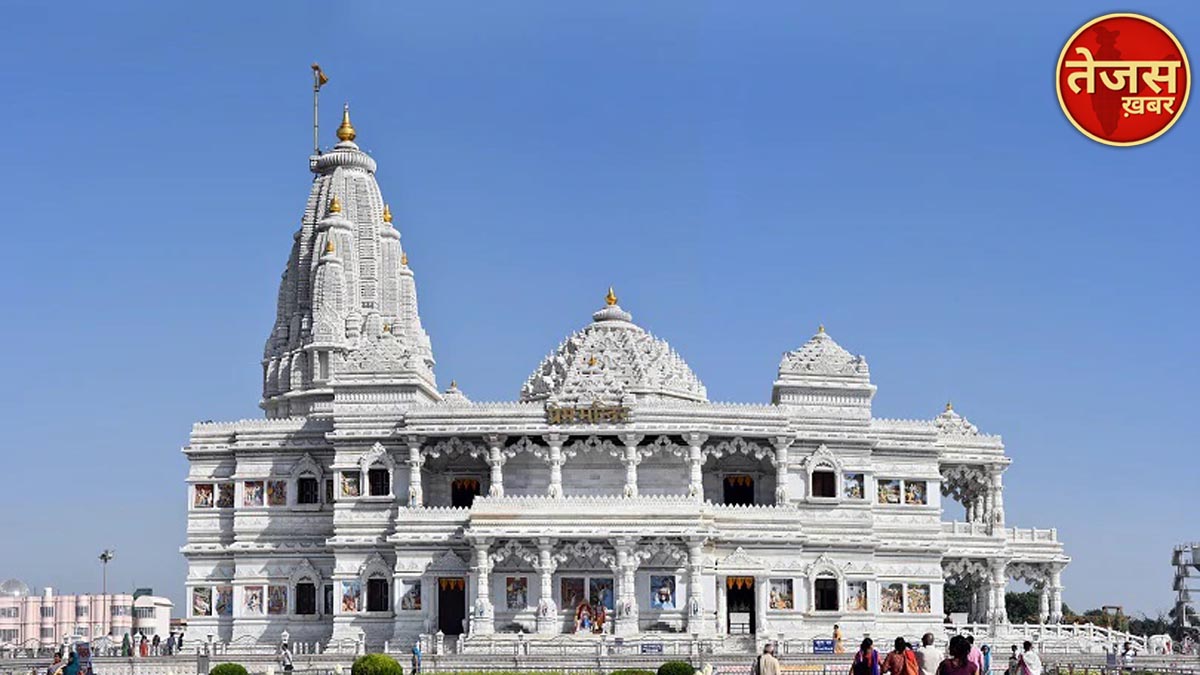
<point>997,614</point>
<point>556,461</point>
<point>496,463</point>
<point>722,628</point>
<point>781,444</point>
<point>416,497</point>
<point>482,615</point>
<point>762,591</point>
<point>548,621</point>
<point>696,462</point>
<point>1043,602</point>
<point>632,459</point>
<point>626,622</point>
<point>998,496</point>
<point>1056,589</point>
<point>696,622</point>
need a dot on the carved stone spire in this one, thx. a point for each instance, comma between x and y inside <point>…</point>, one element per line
<point>326,315</point>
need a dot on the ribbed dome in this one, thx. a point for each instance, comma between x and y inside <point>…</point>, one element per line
<point>610,359</point>
<point>14,588</point>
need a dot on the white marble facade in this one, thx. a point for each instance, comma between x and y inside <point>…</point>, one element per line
<point>370,503</point>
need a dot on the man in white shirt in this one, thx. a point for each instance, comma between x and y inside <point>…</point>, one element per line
<point>928,656</point>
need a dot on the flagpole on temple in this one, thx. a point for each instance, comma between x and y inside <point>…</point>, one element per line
<point>319,79</point>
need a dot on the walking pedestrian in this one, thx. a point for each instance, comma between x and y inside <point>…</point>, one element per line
<point>1031,663</point>
<point>416,658</point>
<point>901,660</point>
<point>928,656</point>
<point>958,661</point>
<point>767,664</point>
<point>837,640</point>
<point>866,659</point>
<point>285,657</point>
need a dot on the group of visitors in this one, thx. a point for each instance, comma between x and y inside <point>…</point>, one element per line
<point>962,657</point>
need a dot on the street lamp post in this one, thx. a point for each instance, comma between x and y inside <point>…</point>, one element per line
<point>105,557</point>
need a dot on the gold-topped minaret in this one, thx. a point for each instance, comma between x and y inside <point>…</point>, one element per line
<point>611,298</point>
<point>346,131</point>
<point>387,213</point>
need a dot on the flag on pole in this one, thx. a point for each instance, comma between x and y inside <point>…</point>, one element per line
<point>319,77</point>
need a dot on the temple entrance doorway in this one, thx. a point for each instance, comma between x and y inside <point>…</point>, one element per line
<point>740,605</point>
<point>739,490</point>
<point>452,604</point>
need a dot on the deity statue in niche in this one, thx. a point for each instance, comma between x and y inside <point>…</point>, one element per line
<point>583,618</point>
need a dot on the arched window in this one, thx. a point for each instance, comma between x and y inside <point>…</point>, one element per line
<point>823,468</point>
<point>306,474</point>
<point>306,597</point>
<point>377,594</point>
<point>377,464</point>
<point>825,593</point>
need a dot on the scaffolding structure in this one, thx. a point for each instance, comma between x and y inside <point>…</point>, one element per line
<point>1187,584</point>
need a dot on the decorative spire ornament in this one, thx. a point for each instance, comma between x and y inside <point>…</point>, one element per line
<point>335,205</point>
<point>404,259</point>
<point>821,328</point>
<point>329,248</point>
<point>611,298</point>
<point>387,213</point>
<point>949,406</point>
<point>346,131</point>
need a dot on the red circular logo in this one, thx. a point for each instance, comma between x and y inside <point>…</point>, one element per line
<point>1123,79</point>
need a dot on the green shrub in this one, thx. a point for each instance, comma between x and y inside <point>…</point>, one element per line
<point>376,664</point>
<point>631,671</point>
<point>228,669</point>
<point>676,668</point>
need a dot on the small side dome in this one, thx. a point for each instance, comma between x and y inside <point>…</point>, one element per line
<point>611,359</point>
<point>14,588</point>
<point>822,356</point>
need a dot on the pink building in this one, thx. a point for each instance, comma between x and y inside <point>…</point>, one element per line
<point>46,620</point>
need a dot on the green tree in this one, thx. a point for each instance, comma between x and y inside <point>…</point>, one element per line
<point>1022,607</point>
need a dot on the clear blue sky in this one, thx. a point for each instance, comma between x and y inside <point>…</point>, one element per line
<point>900,172</point>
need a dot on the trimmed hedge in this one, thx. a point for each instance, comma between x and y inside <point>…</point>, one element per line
<point>376,664</point>
<point>632,671</point>
<point>228,669</point>
<point>676,668</point>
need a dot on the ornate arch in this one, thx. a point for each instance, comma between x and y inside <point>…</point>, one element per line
<point>374,566</point>
<point>593,444</point>
<point>965,569</point>
<point>586,555</point>
<point>514,551</point>
<point>662,552</point>
<point>304,570</point>
<point>663,445</point>
<point>739,445</point>
<point>377,455</point>
<point>306,465</point>
<point>457,446</point>
<point>526,444</point>
<point>824,459</point>
<point>824,566</point>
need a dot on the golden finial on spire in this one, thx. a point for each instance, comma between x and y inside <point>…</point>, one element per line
<point>591,361</point>
<point>387,327</point>
<point>949,406</point>
<point>454,384</point>
<point>611,298</point>
<point>346,131</point>
<point>329,246</point>
<point>821,328</point>
<point>404,259</point>
<point>387,213</point>
<point>335,205</point>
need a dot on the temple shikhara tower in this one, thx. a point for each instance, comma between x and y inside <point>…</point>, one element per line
<point>611,498</point>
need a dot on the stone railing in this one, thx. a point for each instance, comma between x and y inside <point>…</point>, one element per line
<point>1032,534</point>
<point>1052,636</point>
<point>969,529</point>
